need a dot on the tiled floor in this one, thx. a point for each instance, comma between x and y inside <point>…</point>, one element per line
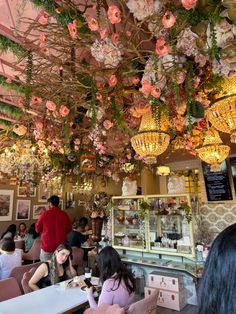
<point>188,309</point>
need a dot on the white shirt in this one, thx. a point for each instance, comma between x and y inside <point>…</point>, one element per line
<point>8,262</point>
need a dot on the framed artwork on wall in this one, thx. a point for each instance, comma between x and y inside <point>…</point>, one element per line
<point>23,210</point>
<point>26,191</point>
<point>42,193</point>
<point>22,191</point>
<point>38,209</point>
<point>6,204</point>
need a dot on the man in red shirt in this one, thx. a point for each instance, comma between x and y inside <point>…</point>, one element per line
<point>54,225</point>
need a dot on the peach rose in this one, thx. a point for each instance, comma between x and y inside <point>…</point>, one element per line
<point>162,47</point>
<point>43,18</point>
<point>112,80</point>
<point>77,141</point>
<point>104,32</point>
<point>21,102</point>
<point>168,19</point>
<point>189,4</point>
<point>146,87</point>
<point>93,24</point>
<point>135,80</point>
<point>50,105</point>
<point>72,27</point>
<point>64,111</point>
<point>155,91</point>
<point>8,80</point>
<point>115,38</point>
<point>107,124</point>
<point>114,14</point>
<point>38,125</point>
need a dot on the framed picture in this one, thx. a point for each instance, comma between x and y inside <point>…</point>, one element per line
<point>26,191</point>
<point>37,210</point>
<point>61,204</point>
<point>42,193</point>
<point>23,210</point>
<point>6,204</point>
<point>70,200</point>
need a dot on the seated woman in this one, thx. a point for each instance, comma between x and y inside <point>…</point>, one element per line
<point>22,230</point>
<point>58,269</point>
<point>9,233</point>
<point>10,258</point>
<point>118,283</point>
<point>30,237</point>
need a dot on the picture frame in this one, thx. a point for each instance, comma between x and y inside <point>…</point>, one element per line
<point>23,210</point>
<point>6,204</point>
<point>43,194</point>
<point>69,200</point>
<point>38,209</point>
<point>26,191</point>
<point>22,191</point>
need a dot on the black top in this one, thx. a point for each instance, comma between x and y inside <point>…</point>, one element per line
<point>76,238</point>
<point>46,281</point>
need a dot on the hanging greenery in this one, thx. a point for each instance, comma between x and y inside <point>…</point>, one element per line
<point>7,45</point>
<point>143,209</point>
<point>12,85</point>
<point>10,111</point>
<point>6,125</point>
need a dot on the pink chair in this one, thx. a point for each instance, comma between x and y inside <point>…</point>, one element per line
<point>9,289</point>
<point>106,309</point>
<point>18,272</point>
<point>34,252</point>
<point>25,280</point>
<point>78,255</point>
<point>147,305</point>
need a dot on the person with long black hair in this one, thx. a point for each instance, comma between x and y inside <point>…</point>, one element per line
<point>118,283</point>
<point>216,293</point>
<point>10,233</point>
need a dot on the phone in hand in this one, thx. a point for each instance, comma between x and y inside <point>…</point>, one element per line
<point>88,283</point>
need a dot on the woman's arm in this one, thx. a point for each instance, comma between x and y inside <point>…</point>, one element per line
<point>70,271</point>
<point>41,271</point>
<point>106,296</point>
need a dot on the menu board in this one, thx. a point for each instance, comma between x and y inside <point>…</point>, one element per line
<point>217,183</point>
<point>232,161</point>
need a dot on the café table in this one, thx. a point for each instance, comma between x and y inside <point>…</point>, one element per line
<point>51,300</point>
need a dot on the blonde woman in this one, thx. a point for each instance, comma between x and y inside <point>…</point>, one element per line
<point>58,269</point>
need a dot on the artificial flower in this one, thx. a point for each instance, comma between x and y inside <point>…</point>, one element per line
<point>50,105</point>
<point>189,4</point>
<point>64,111</point>
<point>155,91</point>
<point>114,14</point>
<point>146,87</point>
<point>143,8</point>
<point>58,10</point>
<point>93,24</point>
<point>43,18</point>
<point>8,80</point>
<point>107,124</point>
<point>77,141</point>
<point>21,102</point>
<point>162,47</point>
<point>72,27</point>
<point>168,19</point>
<point>42,40</point>
<point>135,80</point>
<point>112,80</point>
<point>38,124</point>
<point>115,38</point>
<point>104,32</point>
<point>19,129</point>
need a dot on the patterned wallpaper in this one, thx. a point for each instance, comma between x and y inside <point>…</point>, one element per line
<point>216,217</point>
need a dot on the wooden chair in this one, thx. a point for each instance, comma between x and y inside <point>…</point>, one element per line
<point>147,305</point>
<point>34,252</point>
<point>77,260</point>
<point>19,271</point>
<point>9,289</point>
<point>106,309</point>
<point>26,278</point>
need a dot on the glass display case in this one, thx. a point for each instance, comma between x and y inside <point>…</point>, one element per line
<point>163,227</point>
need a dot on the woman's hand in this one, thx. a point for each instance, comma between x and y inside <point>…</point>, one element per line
<point>71,268</point>
<point>89,290</point>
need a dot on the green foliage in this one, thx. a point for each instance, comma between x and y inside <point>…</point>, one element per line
<point>5,124</point>
<point>10,111</point>
<point>187,211</point>
<point>143,209</point>
<point>7,45</point>
<point>118,115</point>
<point>13,85</point>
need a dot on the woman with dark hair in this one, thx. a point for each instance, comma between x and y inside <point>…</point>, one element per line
<point>22,230</point>
<point>30,237</point>
<point>58,269</point>
<point>118,283</point>
<point>10,232</point>
<point>217,288</point>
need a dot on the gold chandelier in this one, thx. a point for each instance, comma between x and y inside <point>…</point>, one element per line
<point>151,140</point>
<point>213,151</point>
<point>222,113</point>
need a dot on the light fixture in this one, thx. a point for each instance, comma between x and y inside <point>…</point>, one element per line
<point>213,151</point>
<point>222,112</point>
<point>163,170</point>
<point>151,139</point>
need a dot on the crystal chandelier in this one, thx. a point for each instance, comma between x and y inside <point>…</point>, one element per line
<point>23,161</point>
<point>222,112</point>
<point>151,140</point>
<point>213,151</point>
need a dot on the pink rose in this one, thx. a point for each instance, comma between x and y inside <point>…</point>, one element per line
<point>72,27</point>
<point>8,80</point>
<point>21,102</point>
<point>189,4</point>
<point>64,111</point>
<point>114,14</point>
<point>135,80</point>
<point>76,148</point>
<point>43,18</point>
<point>146,87</point>
<point>77,141</point>
<point>128,33</point>
<point>93,24</point>
<point>58,10</point>
<point>38,125</point>
<point>99,96</point>
<point>162,47</point>
<point>42,40</point>
<point>168,19</point>
<point>50,105</point>
<point>115,38</point>
<point>107,124</point>
<point>103,33</point>
<point>112,80</point>
<point>155,91</point>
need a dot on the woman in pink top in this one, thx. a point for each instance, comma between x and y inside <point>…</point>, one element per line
<point>118,282</point>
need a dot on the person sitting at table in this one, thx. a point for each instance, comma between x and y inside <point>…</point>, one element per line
<point>76,238</point>
<point>30,237</point>
<point>10,233</point>
<point>58,269</point>
<point>22,230</point>
<point>10,257</point>
<point>118,283</point>
<point>84,223</point>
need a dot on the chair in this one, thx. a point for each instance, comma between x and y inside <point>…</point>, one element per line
<point>34,252</point>
<point>18,272</point>
<point>77,260</point>
<point>106,309</point>
<point>9,289</point>
<point>26,278</point>
<point>147,305</point>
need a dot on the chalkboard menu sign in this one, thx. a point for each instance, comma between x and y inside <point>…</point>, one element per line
<point>217,183</point>
<point>232,161</point>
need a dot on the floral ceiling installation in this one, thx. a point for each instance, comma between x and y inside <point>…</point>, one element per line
<point>100,65</point>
